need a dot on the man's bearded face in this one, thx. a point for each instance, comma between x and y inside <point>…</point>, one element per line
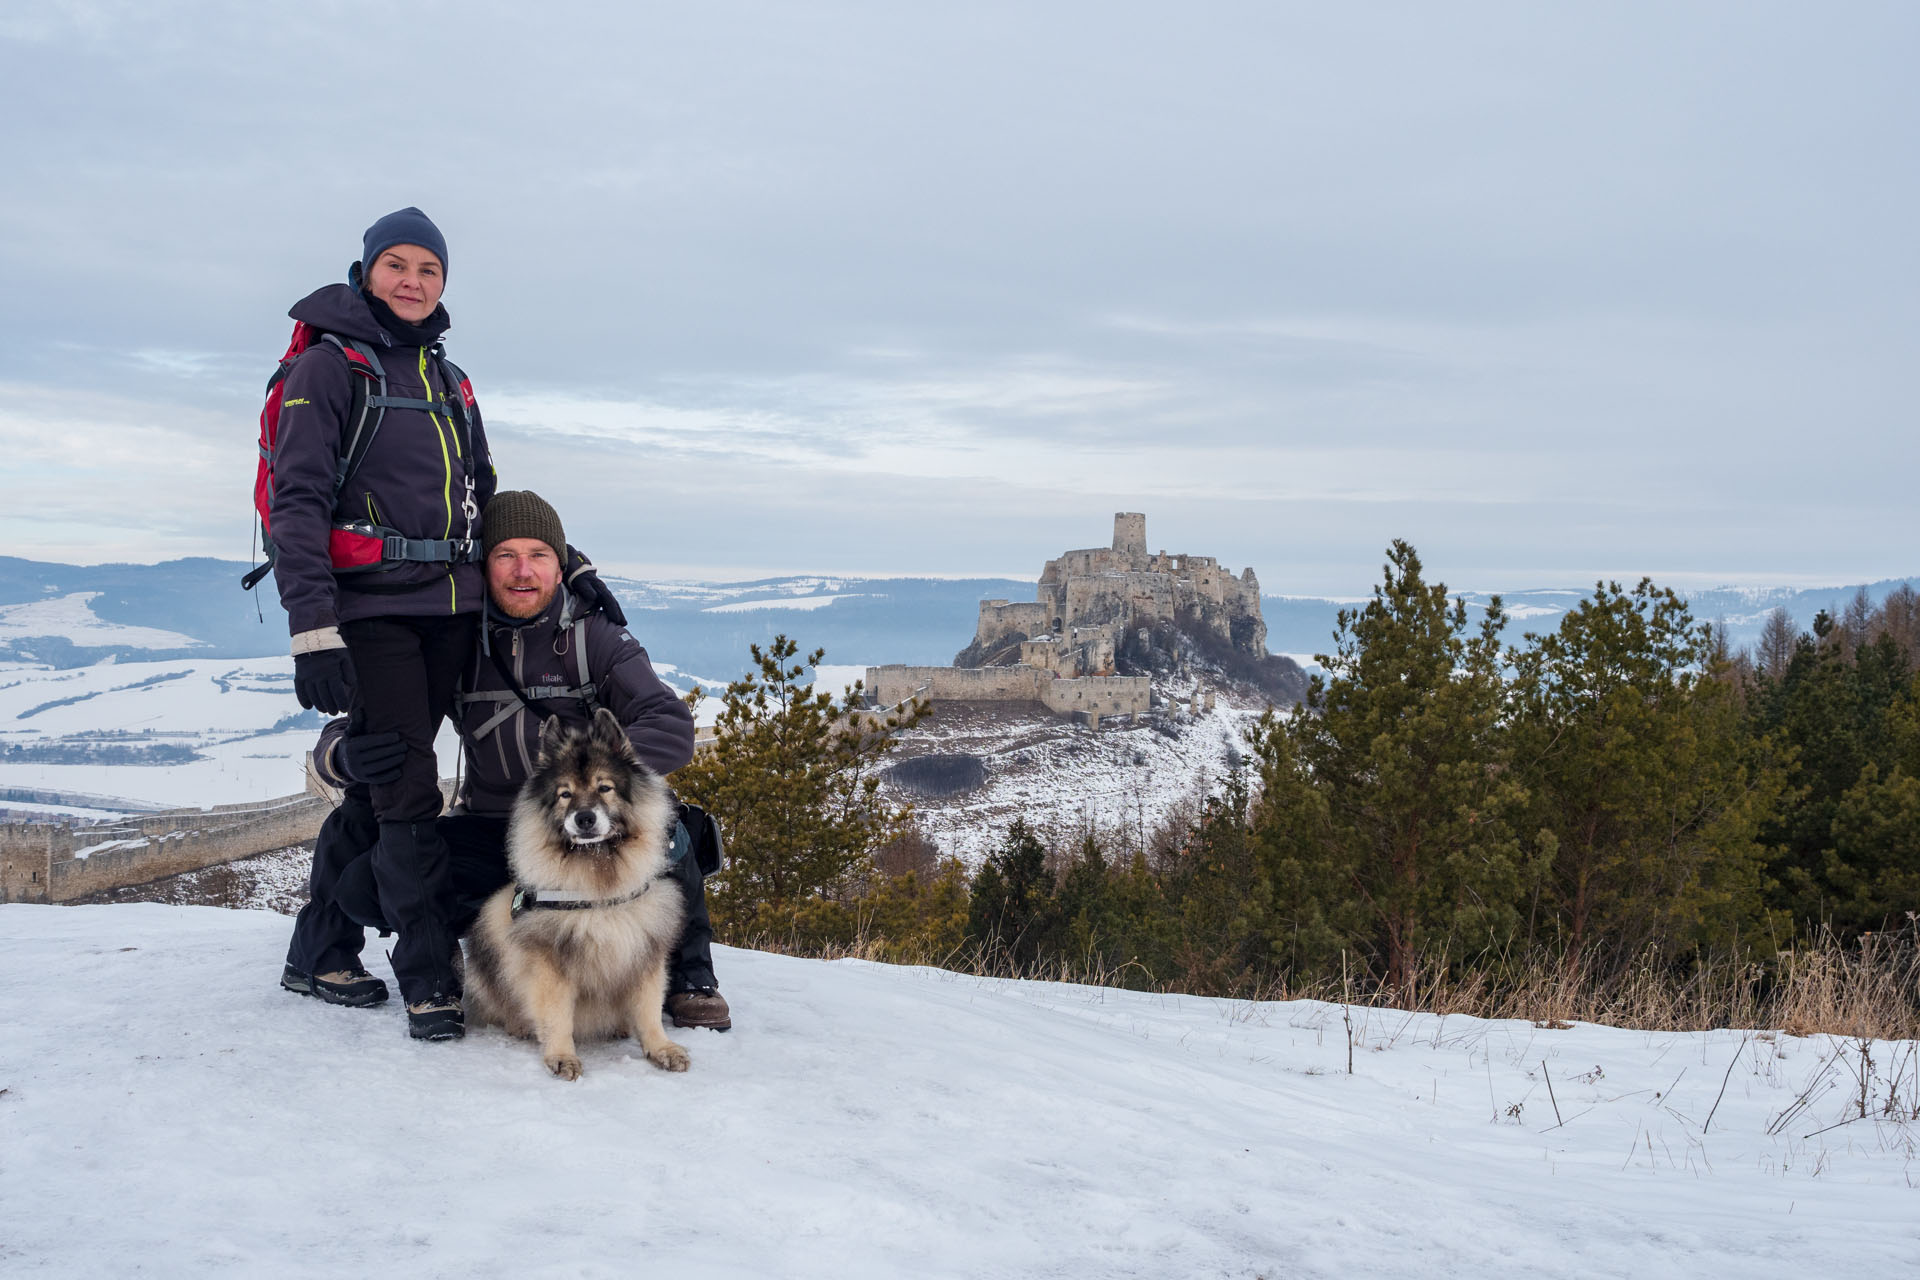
<point>522,575</point>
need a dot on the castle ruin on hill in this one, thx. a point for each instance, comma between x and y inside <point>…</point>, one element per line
<point>1060,649</point>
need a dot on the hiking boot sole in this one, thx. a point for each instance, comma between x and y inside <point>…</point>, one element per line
<point>710,1026</point>
<point>437,1029</point>
<point>454,1032</point>
<point>303,985</point>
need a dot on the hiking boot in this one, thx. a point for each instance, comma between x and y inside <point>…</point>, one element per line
<point>700,1007</point>
<point>437,1017</point>
<point>355,987</point>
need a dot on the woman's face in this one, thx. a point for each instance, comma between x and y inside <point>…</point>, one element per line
<point>408,279</point>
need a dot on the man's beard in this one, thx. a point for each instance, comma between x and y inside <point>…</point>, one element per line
<point>518,607</point>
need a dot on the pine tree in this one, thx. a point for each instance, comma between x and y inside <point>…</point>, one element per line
<point>1224,899</point>
<point>1389,796</point>
<point>793,779</point>
<point>1644,795</point>
<point>1872,866</point>
<point>1012,913</point>
<point>1834,709</point>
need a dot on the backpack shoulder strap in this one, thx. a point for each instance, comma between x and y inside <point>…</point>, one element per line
<point>588,694</point>
<point>459,392</point>
<point>368,409</point>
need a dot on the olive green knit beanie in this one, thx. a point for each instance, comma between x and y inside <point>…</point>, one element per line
<point>521,513</point>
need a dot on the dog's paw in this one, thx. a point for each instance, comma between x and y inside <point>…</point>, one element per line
<point>669,1057</point>
<point>567,1066</point>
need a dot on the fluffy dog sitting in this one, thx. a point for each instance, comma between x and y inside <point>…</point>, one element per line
<point>577,945</point>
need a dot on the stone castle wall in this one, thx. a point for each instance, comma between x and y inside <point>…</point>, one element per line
<point>45,862</point>
<point>999,619</point>
<point>894,684</point>
<point>1097,696</point>
<point>1092,695</point>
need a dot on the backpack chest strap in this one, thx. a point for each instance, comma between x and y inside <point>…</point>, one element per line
<point>442,407</point>
<point>512,700</point>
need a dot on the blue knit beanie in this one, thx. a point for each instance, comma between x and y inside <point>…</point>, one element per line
<point>403,226</point>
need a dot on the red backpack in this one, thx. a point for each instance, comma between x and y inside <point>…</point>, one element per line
<point>354,545</point>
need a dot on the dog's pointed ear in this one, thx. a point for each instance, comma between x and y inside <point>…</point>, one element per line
<point>608,732</point>
<point>552,734</point>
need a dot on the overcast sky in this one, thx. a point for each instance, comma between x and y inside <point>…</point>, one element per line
<point>1550,291</point>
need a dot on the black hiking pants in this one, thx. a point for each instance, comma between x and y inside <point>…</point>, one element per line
<point>476,857</point>
<point>326,936</point>
<point>407,669</point>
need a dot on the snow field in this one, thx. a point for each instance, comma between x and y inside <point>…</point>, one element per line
<point>71,617</point>
<point>223,709</point>
<point>167,1109</point>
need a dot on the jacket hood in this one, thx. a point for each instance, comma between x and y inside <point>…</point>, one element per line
<point>339,308</point>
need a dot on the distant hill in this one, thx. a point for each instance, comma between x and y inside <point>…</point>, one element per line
<point>1303,625</point>
<point>77,615</point>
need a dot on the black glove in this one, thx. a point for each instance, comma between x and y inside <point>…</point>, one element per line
<point>587,585</point>
<point>373,758</point>
<point>324,680</point>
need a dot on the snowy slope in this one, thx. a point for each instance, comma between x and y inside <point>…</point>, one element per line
<point>1122,780</point>
<point>165,1110</point>
<point>71,618</point>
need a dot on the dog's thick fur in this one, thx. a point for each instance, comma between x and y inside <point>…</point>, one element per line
<point>591,820</point>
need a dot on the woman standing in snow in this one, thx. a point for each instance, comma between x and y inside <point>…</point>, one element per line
<point>386,641</point>
<point>376,554</point>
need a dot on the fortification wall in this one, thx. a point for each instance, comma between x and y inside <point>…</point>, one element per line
<point>1089,560</point>
<point>41,862</point>
<point>1050,655</point>
<point>151,858</point>
<point>26,857</point>
<point>1098,695</point>
<point>1092,695</point>
<point>895,683</point>
<point>999,620</point>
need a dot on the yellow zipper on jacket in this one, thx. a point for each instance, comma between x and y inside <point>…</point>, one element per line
<point>446,464</point>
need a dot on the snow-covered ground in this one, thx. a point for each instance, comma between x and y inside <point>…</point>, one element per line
<point>166,1110</point>
<point>836,678</point>
<point>71,617</point>
<point>804,604</point>
<point>236,715</point>
<point>1123,780</point>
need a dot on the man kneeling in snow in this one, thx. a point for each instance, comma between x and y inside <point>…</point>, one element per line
<point>537,657</point>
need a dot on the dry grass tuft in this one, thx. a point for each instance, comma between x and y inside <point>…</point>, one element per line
<point>1868,990</point>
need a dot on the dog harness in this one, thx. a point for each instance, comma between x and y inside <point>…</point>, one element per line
<point>525,899</point>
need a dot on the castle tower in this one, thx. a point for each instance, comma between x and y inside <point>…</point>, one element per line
<point>1130,536</point>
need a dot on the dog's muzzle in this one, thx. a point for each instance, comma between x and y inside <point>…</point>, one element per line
<point>588,826</point>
